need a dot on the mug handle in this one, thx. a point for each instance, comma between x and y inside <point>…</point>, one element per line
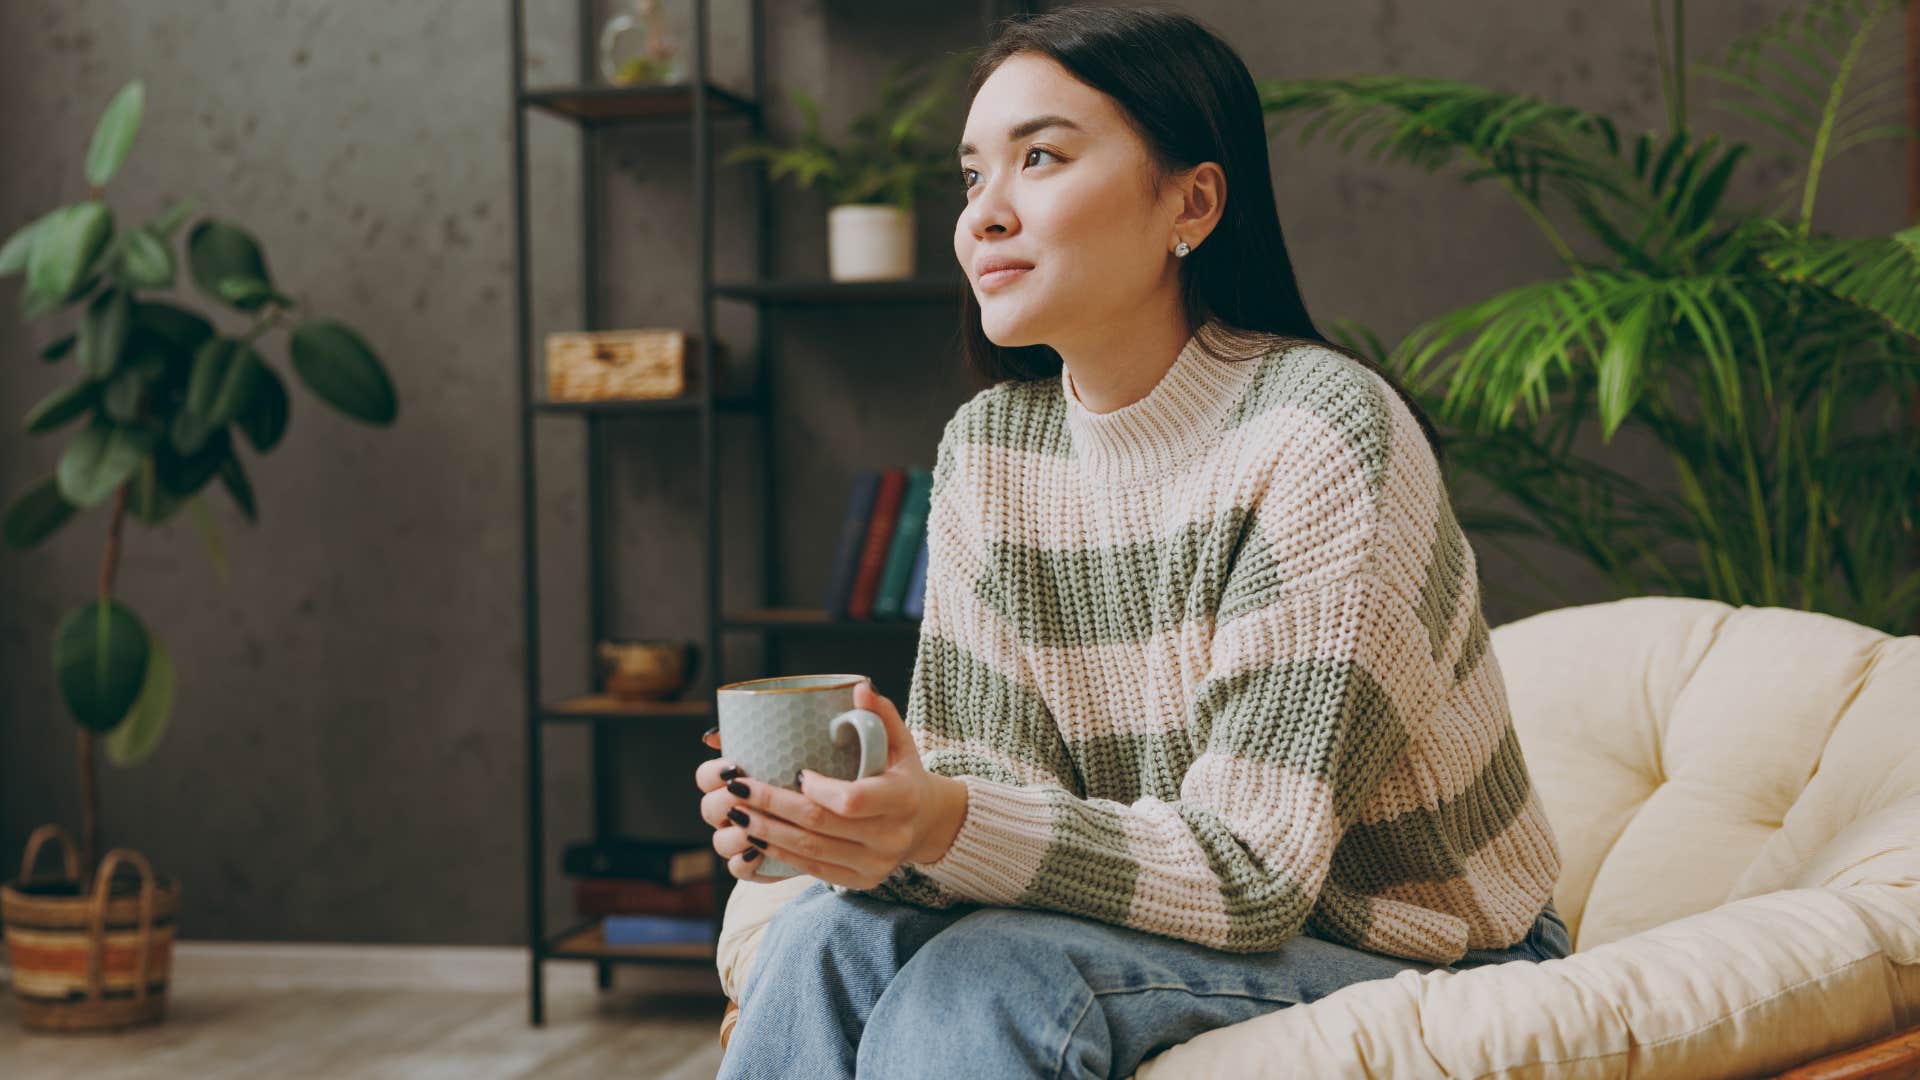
<point>872,732</point>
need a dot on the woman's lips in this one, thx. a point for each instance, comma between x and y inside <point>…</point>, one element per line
<point>996,278</point>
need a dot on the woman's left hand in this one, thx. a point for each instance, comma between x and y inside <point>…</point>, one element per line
<point>846,832</point>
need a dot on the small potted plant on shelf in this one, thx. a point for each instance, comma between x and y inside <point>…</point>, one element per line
<point>162,400</point>
<point>874,176</point>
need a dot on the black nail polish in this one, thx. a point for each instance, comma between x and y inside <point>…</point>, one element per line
<point>731,772</point>
<point>734,815</point>
<point>750,854</point>
<point>756,841</point>
<point>738,788</point>
<point>714,730</point>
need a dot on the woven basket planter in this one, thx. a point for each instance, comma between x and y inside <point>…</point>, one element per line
<point>89,961</point>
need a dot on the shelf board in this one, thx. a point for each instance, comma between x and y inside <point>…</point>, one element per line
<point>595,104</point>
<point>811,619</point>
<point>599,707</point>
<point>946,289</point>
<point>687,403</point>
<point>589,942</point>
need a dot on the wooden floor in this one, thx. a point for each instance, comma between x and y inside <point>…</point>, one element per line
<point>222,1031</point>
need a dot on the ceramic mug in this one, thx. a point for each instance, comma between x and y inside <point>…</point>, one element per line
<point>773,728</point>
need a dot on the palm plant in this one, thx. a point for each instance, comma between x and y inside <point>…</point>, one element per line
<point>1768,360</point>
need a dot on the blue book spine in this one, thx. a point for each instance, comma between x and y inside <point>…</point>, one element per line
<point>907,535</point>
<point>853,535</point>
<point>656,929</point>
<point>915,604</point>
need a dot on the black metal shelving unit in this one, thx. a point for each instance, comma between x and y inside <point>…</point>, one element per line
<point>594,108</point>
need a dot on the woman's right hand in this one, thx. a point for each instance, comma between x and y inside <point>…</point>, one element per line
<point>729,840</point>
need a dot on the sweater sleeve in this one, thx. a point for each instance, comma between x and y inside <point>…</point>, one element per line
<point>1313,675</point>
<point>972,706</point>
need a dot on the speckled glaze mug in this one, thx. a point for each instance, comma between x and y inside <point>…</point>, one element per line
<point>773,728</point>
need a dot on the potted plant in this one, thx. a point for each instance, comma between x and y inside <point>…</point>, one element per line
<point>1767,361</point>
<point>158,406</point>
<point>874,176</point>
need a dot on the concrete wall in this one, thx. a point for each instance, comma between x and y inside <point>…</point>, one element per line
<point>346,756</point>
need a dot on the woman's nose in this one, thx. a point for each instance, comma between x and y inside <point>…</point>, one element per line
<point>987,209</point>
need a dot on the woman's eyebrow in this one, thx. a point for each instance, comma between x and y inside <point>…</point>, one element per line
<point>1025,128</point>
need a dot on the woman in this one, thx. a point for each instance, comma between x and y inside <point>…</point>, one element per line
<point>1203,721</point>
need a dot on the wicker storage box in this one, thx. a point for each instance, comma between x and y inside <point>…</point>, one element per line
<point>605,365</point>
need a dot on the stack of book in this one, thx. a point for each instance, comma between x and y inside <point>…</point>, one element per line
<point>880,563</point>
<point>644,892</point>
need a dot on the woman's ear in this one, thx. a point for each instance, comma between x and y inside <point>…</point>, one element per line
<point>1203,198</point>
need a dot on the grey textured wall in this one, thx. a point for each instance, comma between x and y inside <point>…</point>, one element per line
<point>345,760</point>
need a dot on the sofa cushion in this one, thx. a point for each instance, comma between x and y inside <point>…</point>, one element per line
<point>749,908</point>
<point>1710,749</point>
<point>1752,987</point>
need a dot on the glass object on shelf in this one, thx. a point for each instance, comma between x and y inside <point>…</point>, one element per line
<point>635,48</point>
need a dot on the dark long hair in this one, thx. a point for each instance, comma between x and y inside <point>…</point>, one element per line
<point>1191,99</point>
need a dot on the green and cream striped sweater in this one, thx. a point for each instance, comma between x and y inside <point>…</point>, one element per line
<point>1213,665</point>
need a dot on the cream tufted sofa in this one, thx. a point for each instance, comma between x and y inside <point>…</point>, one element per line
<point>1736,792</point>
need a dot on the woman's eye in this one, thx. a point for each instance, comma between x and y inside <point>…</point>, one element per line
<point>1031,150</point>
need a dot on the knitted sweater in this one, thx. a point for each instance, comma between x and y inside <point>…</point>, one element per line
<point>1213,666</point>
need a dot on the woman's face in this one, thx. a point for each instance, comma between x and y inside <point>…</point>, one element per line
<point>1070,199</point>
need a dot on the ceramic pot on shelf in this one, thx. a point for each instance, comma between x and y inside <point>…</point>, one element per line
<point>869,242</point>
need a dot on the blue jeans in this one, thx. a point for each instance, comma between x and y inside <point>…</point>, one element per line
<point>847,985</point>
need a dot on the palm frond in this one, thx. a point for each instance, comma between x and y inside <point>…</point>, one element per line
<point>1528,144</point>
<point>1672,204</point>
<point>1880,274</point>
<point>1813,77</point>
<point>1619,322</point>
<point>1434,123</point>
<point>1658,194</point>
<point>1872,114</point>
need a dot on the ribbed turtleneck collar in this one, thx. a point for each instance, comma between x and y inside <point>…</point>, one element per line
<point>1181,414</point>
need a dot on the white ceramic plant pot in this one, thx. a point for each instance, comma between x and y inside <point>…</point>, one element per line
<point>869,242</point>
